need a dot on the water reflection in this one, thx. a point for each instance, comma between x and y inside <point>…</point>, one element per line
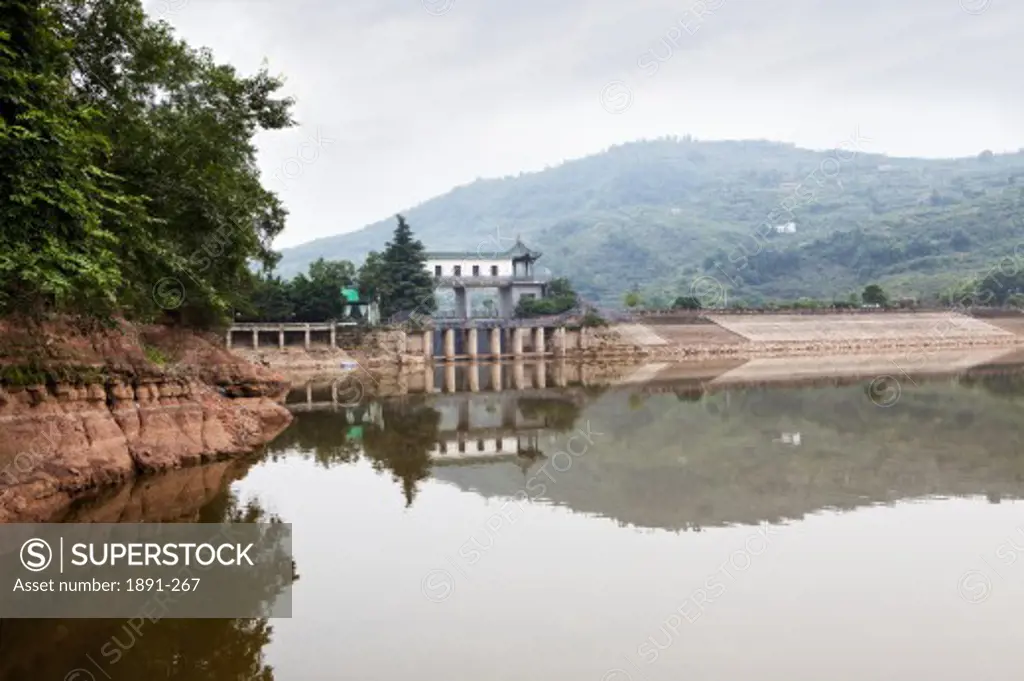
<point>408,437</point>
<point>564,520</point>
<point>692,453</point>
<point>192,650</point>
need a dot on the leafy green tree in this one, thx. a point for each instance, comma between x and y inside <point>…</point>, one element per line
<point>997,287</point>
<point>61,213</point>
<point>370,276</point>
<point>313,297</point>
<point>271,301</point>
<point>632,299</point>
<point>686,303</point>
<point>128,164</point>
<point>874,295</point>
<point>318,297</point>
<point>559,297</point>
<point>403,283</point>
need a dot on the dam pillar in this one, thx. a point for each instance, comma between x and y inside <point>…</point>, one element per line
<point>308,339</point>
<point>471,344</point>
<point>539,341</point>
<point>496,343</point>
<point>474,377</point>
<point>496,377</point>
<point>560,371</point>
<point>428,379</point>
<point>428,345</point>
<point>559,341</point>
<point>255,339</point>
<point>540,378</point>
<point>517,342</point>
<point>334,335</point>
<point>449,344</point>
<point>280,338</point>
<point>227,339</point>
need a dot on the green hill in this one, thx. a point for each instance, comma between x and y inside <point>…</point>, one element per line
<point>658,214</point>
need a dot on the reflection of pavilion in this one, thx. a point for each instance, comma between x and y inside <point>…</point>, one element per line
<point>484,427</point>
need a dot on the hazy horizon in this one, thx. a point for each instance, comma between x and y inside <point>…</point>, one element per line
<point>411,99</point>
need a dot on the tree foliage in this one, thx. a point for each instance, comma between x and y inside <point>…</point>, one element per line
<point>400,277</point>
<point>312,297</point>
<point>62,214</point>
<point>874,295</point>
<point>559,297</point>
<point>686,303</point>
<point>133,165</point>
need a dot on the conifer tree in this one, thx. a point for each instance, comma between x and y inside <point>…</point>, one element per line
<point>404,284</point>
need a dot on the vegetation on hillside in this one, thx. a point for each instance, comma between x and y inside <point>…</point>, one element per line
<point>765,220</point>
<point>129,180</point>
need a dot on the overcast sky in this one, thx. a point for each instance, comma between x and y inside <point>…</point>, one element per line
<point>409,98</point>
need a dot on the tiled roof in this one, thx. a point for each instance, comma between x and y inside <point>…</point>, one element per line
<point>518,250</point>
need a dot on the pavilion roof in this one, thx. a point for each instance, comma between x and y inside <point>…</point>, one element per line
<point>518,251</point>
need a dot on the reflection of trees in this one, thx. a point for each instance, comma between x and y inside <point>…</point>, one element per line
<point>323,434</point>
<point>1007,385</point>
<point>189,650</point>
<point>403,445</point>
<point>558,414</point>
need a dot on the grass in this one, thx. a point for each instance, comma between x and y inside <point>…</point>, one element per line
<point>155,355</point>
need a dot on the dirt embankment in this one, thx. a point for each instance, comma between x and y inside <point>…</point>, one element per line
<point>85,409</point>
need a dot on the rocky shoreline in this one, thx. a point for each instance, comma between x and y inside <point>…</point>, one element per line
<point>97,409</point>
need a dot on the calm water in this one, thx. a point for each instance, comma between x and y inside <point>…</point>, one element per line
<point>586,535</point>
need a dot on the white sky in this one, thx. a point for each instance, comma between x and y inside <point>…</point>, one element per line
<point>413,97</point>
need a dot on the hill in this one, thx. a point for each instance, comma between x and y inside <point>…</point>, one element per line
<point>766,219</point>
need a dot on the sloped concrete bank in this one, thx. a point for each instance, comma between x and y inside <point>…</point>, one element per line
<point>84,410</point>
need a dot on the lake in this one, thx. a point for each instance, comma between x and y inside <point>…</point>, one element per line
<point>656,531</point>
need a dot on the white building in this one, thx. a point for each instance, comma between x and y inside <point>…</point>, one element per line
<point>510,272</point>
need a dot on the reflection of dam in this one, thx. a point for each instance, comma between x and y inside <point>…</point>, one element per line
<point>553,379</point>
<point>472,427</point>
<point>486,427</point>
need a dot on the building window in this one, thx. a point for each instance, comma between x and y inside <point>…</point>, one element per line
<point>437,270</point>
<point>457,270</point>
<point>494,270</point>
<point>476,270</point>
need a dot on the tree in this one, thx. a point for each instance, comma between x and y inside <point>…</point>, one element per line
<point>559,298</point>
<point>403,283</point>
<point>313,297</point>
<point>60,212</point>
<point>632,299</point>
<point>128,163</point>
<point>318,297</point>
<point>370,276</point>
<point>686,303</point>
<point>874,295</point>
<point>271,300</point>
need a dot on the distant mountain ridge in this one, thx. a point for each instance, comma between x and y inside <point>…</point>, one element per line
<point>765,219</point>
